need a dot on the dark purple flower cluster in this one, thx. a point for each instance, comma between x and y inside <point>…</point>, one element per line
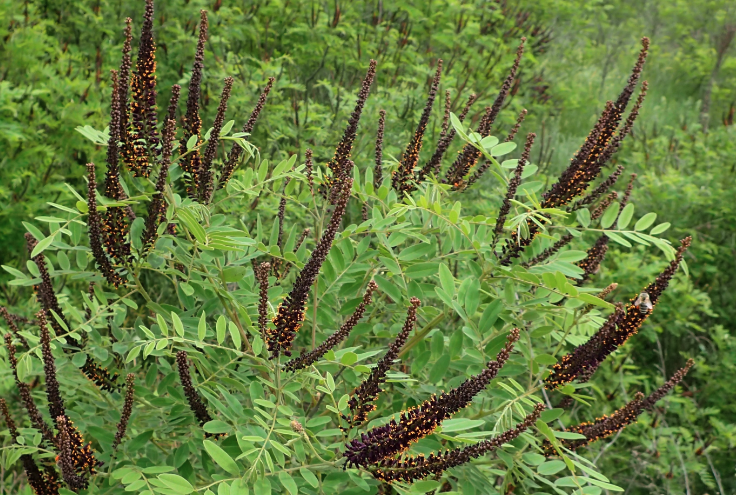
<point>236,151</point>
<point>307,358</point>
<point>433,165</point>
<point>206,176</point>
<point>195,402</point>
<point>309,165</point>
<point>597,150</point>
<point>394,438</point>
<point>486,164</point>
<point>46,483</point>
<point>157,206</point>
<point>290,314</point>
<point>414,468</point>
<point>80,457</point>
<point>338,165</point>
<point>192,124</point>
<point>606,426</point>
<point>45,290</point>
<point>262,277</point>
<point>361,402</point>
<point>514,183</point>
<point>582,363</point>
<point>403,178</point>
<point>456,174</point>
<point>544,255</point>
<point>95,231</point>
<point>141,142</point>
<point>13,326</point>
<point>378,170</point>
<point>34,414</point>
<point>600,144</point>
<point>126,412</point>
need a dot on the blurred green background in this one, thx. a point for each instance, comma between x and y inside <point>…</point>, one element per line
<point>55,58</point>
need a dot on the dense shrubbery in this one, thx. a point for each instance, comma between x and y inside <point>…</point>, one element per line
<point>184,288</point>
<point>188,273</point>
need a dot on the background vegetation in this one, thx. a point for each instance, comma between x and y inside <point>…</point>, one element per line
<point>54,63</point>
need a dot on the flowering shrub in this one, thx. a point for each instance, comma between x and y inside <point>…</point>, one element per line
<point>276,322</point>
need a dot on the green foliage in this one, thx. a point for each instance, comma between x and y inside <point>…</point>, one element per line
<point>197,291</point>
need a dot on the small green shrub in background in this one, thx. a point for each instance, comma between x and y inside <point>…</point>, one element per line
<point>201,286</point>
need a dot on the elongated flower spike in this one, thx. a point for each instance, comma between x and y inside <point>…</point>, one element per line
<point>173,102</point>
<point>515,129</point>
<point>113,152</point>
<point>467,159</point>
<point>81,456</point>
<point>278,262</point>
<point>361,402</point>
<point>236,151</point>
<point>601,208</point>
<point>192,123</point>
<point>157,207</point>
<point>67,458</point>
<point>599,191</point>
<point>338,163</point>
<point>6,415</point>
<point>206,175</point>
<point>126,412</point>
<point>195,402</point>
<point>309,166</point>
<point>46,295</point>
<point>606,426</point>
<point>262,276</point>
<point>95,231</point>
<point>143,140</point>
<point>446,115</point>
<point>403,178</point>
<point>306,359</point>
<point>115,225</point>
<point>544,255</point>
<point>123,83</point>
<point>13,326</point>
<point>394,438</point>
<point>290,314</point>
<point>299,241</point>
<point>410,469</point>
<point>251,122</point>
<point>56,403</point>
<point>42,484</point>
<point>587,163</point>
<point>378,170</point>
<point>434,163</point>
<point>115,230</point>
<point>629,189</point>
<point>584,360</point>
<point>591,264</point>
<point>486,164</point>
<point>34,414</point>
<point>514,183</point>
<point>615,144</point>
<point>620,326</point>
